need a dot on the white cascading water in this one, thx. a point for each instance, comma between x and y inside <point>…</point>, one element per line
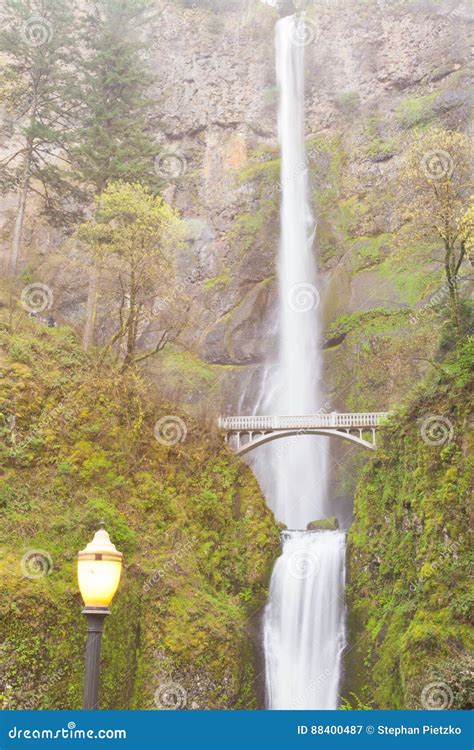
<point>304,628</point>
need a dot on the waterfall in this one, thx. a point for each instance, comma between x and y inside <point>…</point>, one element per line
<point>304,631</point>
<point>304,635</point>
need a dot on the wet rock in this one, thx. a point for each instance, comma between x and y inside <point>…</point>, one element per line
<point>325,524</point>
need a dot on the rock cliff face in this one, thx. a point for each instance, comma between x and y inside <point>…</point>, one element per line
<point>375,71</point>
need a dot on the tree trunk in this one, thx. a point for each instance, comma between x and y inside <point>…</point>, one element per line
<point>453,289</point>
<point>131,328</point>
<point>20,217</point>
<point>24,188</point>
<point>91,308</point>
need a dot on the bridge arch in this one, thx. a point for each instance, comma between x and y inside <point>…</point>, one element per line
<point>249,432</point>
<point>257,439</point>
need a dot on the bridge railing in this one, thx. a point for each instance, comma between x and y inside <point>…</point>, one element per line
<point>311,421</point>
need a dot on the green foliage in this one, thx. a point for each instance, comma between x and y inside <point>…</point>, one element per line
<point>197,538</point>
<point>416,110</point>
<point>348,101</point>
<point>408,549</point>
<point>432,189</point>
<point>354,703</point>
<point>132,237</point>
<point>379,150</point>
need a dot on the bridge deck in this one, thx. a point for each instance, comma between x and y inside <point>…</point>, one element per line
<point>334,421</point>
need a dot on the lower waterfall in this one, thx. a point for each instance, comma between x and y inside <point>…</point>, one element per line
<point>304,633</point>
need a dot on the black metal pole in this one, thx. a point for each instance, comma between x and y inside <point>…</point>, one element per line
<point>95,624</point>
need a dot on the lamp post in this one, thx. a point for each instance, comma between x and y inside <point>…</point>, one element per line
<point>98,571</point>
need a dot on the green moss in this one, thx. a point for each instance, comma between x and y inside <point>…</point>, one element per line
<point>378,148</point>
<point>262,177</point>
<point>372,321</point>
<point>268,170</point>
<point>246,228</point>
<point>186,369</point>
<point>348,101</point>
<point>368,250</point>
<point>406,269</point>
<point>416,111</point>
<point>197,538</point>
<point>216,281</point>
<point>326,158</point>
<point>408,549</point>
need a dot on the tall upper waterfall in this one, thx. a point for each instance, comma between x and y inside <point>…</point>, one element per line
<point>295,485</point>
<point>304,630</point>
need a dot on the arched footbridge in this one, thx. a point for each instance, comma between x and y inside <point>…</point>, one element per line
<point>246,433</point>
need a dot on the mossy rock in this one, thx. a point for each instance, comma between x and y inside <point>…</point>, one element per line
<point>408,551</point>
<point>325,524</point>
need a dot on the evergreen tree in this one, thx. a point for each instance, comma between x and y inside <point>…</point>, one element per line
<point>35,83</point>
<point>112,142</point>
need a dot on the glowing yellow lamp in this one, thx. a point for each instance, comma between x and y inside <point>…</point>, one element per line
<point>99,566</point>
